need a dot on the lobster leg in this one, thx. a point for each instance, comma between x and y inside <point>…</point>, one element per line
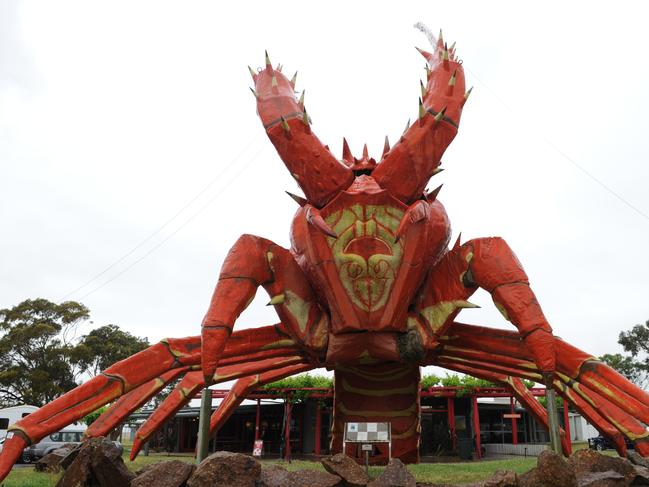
<point>519,390</point>
<point>612,412</point>
<point>193,383</point>
<point>245,386</point>
<point>254,262</point>
<point>129,402</point>
<point>88,397</point>
<point>488,263</point>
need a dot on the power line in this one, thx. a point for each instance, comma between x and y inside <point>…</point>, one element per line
<point>166,223</point>
<point>565,156</point>
<point>184,224</point>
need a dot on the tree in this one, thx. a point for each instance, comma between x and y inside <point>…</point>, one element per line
<point>104,346</point>
<point>35,337</point>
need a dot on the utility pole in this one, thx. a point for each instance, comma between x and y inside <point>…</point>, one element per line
<point>204,425</point>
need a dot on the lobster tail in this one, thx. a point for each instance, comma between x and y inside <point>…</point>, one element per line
<point>407,167</point>
<point>287,124</point>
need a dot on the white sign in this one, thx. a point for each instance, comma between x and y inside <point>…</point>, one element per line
<point>367,447</point>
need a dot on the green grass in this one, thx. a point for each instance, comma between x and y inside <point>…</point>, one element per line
<point>449,473</point>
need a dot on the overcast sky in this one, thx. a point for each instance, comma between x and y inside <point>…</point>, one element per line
<point>130,148</point>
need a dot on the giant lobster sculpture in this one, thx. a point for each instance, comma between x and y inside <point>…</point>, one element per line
<point>369,289</point>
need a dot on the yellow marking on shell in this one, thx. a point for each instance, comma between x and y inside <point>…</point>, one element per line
<point>366,358</point>
<point>298,308</point>
<point>172,351</point>
<point>277,299</point>
<point>502,310</point>
<point>269,259</point>
<point>439,313</point>
<point>630,435</point>
<point>287,342</point>
<point>158,382</point>
<point>469,257</point>
<point>409,389</point>
<point>605,390</point>
<point>399,413</point>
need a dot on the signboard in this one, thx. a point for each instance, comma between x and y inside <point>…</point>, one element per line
<point>258,448</point>
<point>367,432</point>
<point>367,447</point>
<point>512,416</point>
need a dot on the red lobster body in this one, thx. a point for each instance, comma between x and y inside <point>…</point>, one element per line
<point>369,289</point>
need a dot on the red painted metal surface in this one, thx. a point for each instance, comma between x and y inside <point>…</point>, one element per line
<point>369,281</point>
<point>476,426</point>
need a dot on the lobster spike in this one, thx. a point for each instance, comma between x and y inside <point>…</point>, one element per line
<point>433,195</point>
<point>298,199</point>
<point>285,125</point>
<point>407,127</point>
<point>466,305</point>
<point>365,152</point>
<point>306,120</point>
<point>254,93</point>
<point>252,73</point>
<point>423,88</point>
<point>386,147</point>
<point>440,115</point>
<point>277,299</point>
<point>440,38</point>
<point>452,46</point>
<point>293,80</point>
<point>279,67</point>
<point>273,82</point>
<point>301,102</point>
<point>347,154</point>
<point>451,81</point>
<point>437,170</point>
<point>268,64</point>
<point>467,95</point>
<point>422,110</point>
<point>426,54</point>
<point>445,58</point>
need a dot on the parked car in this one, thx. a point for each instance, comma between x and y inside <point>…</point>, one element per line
<point>600,443</point>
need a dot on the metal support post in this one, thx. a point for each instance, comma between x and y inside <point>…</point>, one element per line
<point>512,407</point>
<point>476,427</point>
<point>553,420</point>
<point>258,421</point>
<point>318,428</point>
<point>204,425</point>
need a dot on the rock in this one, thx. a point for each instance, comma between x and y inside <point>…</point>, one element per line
<point>72,454</point>
<point>502,478</point>
<point>273,476</point>
<point>165,474</point>
<point>608,478</point>
<point>108,468</point>
<point>638,459</point>
<point>395,475</point>
<point>641,475</point>
<point>97,462</point>
<point>226,469</point>
<point>312,478</point>
<point>587,461</point>
<point>52,461</point>
<point>551,471</point>
<point>345,467</point>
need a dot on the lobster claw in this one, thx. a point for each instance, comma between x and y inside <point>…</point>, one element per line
<point>418,211</point>
<point>314,217</point>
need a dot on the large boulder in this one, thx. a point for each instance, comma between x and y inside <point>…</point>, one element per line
<point>312,478</point>
<point>638,459</point>
<point>551,471</point>
<point>352,473</point>
<point>165,474</point>
<point>97,463</point>
<point>608,478</point>
<point>273,476</point>
<point>226,469</point>
<point>395,475</point>
<point>502,478</point>
<point>584,462</point>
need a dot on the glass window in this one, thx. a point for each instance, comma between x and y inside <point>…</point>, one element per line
<point>68,437</point>
<point>55,436</point>
<point>4,423</point>
<point>25,414</point>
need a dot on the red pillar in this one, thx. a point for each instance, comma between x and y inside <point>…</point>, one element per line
<point>512,403</point>
<point>566,424</point>
<point>257,421</point>
<point>450,407</point>
<point>287,432</point>
<point>318,428</point>
<point>476,427</point>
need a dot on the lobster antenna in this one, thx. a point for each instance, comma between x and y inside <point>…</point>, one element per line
<point>424,28</point>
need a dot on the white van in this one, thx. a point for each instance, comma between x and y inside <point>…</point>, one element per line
<point>9,416</point>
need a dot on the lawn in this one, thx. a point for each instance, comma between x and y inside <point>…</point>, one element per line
<point>452,473</point>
